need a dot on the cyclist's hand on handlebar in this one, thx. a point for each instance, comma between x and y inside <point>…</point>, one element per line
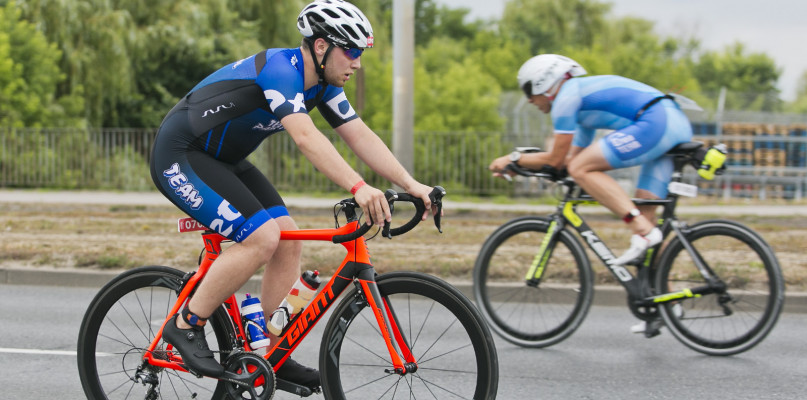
<point>422,192</point>
<point>498,166</point>
<point>374,205</point>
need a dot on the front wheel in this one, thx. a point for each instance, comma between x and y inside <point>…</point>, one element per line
<point>455,353</point>
<point>533,314</point>
<point>730,321</point>
<point>119,325</point>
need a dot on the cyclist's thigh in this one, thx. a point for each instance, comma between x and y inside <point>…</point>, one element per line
<point>657,131</point>
<point>228,198</point>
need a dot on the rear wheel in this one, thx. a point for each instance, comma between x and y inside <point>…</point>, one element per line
<point>119,325</point>
<point>532,315</point>
<point>732,321</point>
<point>456,356</point>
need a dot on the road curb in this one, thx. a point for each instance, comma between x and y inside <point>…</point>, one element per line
<point>603,295</point>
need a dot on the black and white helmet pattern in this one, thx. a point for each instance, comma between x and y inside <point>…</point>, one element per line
<point>336,21</point>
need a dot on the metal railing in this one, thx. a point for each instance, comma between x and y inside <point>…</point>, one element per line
<point>117,159</point>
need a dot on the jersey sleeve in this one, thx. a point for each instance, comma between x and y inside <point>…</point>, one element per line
<point>335,107</point>
<point>282,85</point>
<point>565,109</point>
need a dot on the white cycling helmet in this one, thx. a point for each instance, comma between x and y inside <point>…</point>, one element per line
<point>336,21</point>
<point>540,73</point>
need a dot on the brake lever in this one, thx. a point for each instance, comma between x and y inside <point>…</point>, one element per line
<point>436,196</point>
<point>391,196</point>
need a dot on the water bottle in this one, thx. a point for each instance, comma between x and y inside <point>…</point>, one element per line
<point>299,296</point>
<point>712,161</point>
<point>254,322</point>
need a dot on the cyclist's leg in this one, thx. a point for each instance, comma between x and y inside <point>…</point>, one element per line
<point>282,265</point>
<point>588,169</point>
<point>212,192</point>
<point>653,180</point>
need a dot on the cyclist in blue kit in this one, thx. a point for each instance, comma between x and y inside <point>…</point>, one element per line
<point>199,163</point>
<point>646,123</point>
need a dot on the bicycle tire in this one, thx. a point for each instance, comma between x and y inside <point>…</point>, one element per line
<point>532,316</point>
<point>121,322</point>
<point>454,349</point>
<point>742,260</point>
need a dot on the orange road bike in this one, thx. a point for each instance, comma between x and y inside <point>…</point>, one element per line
<point>395,335</point>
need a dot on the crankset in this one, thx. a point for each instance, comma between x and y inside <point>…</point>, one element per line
<point>644,312</point>
<point>248,376</point>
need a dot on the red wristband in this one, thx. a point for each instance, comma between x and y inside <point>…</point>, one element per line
<point>357,186</point>
<point>631,215</point>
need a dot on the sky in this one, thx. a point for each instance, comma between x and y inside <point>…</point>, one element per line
<point>777,28</point>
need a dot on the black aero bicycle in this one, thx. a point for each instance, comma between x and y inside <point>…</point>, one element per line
<point>716,284</point>
<point>397,335</point>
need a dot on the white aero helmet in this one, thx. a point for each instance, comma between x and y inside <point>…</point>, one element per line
<point>541,72</point>
<point>336,21</point>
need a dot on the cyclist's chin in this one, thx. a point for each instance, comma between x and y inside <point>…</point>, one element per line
<point>339,82</point>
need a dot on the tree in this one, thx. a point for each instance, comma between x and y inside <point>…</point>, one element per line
<point>800,104</point>
<point>630,48</point>
<point>549,25</point>
<point>749,78</point>
<point>29,74</point>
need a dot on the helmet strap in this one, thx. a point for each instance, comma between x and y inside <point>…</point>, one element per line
<point>319,66</point>
<point>556,87</point>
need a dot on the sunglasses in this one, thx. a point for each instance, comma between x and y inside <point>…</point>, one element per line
<point>352,53</point>
<point>527,88</point>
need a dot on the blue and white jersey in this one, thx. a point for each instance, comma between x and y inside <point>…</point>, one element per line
<point>586,104</point>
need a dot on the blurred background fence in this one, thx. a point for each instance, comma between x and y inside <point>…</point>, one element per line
<point>117,159</point>
<point>766,161</point>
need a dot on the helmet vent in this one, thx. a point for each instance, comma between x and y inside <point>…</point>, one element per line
<point>350,31</point>
<point>331,13</point>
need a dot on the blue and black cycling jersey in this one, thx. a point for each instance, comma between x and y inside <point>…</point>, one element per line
<point>199,156</point>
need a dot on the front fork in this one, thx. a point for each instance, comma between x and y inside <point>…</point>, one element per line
<point>403,361</point>
<point>536,271</point>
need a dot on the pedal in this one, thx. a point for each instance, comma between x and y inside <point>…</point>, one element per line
<point>653,328</point>
<point>652,333</point>
<point>290,387</point>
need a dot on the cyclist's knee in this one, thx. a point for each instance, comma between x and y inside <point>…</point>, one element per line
<point>289,247</point>
<point>263,242</point>
<point>578,169</point>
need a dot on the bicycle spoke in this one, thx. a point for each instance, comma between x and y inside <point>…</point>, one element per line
<point>734,320</point>
<point>450,362</point>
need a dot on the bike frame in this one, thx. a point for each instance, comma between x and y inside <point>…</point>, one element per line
<point>639,287</point>
<point>356,268</point>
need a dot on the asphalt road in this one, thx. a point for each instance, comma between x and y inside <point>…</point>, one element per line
<point>39,327</point>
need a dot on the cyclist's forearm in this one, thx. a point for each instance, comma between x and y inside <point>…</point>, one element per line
<point>375,153</point>
<point>324,156</point>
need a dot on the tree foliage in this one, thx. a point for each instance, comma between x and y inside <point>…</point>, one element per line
<point>750,78</point>
<point>800,104</point>
<point>29,75</point>
<point>126,62</point>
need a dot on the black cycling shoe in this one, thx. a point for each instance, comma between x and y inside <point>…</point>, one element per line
<point>294,372</point>
<point>192,346</point>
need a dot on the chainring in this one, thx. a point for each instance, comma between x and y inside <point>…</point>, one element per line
<point>249,376</point>
<point>643,312</point>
